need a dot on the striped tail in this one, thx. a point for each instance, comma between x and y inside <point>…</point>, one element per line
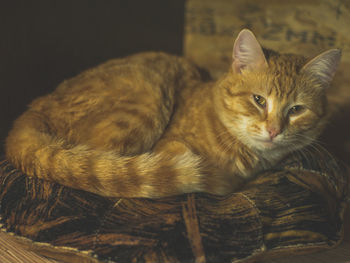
<point>151,175</point>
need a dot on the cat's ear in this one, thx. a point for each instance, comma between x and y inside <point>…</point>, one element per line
<point>324,66</point>
<point>247,53</point>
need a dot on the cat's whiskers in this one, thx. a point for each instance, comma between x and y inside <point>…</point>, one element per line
<point>295,148</point>
<point>224,132</point>
<point>313,147</point>
<point>312,143</point>
<point>225,142</point>
<point>311,139</point>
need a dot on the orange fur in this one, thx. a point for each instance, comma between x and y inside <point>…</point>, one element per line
<point>148,126</point>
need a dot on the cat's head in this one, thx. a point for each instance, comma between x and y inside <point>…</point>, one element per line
<point>272,101</point>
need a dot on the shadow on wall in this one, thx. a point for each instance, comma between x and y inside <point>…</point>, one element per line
<point>44,42</point>
<point>336,137</point>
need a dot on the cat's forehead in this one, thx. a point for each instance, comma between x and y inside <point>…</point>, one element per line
<point>281,86</point>
<point>288,64</point>
<point>283,76</point>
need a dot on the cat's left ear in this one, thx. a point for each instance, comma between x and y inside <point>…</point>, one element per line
<point>324,66</point>
<point>247,53</point>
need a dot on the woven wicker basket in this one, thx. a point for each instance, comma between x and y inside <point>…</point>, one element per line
<point>296,208</point>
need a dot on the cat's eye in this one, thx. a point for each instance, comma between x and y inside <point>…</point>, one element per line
<point>295,110</point>
<point>261,101</point>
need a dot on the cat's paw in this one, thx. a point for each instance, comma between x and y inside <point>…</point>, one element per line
<point>218,183</point>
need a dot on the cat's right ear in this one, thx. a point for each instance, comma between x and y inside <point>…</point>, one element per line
<point>247,53</point>
<point>324,66</point>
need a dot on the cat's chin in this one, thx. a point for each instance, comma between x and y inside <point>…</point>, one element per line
<point>265,145</point>
<point>268,144</point>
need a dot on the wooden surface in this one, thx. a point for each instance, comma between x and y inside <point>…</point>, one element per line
<point>12,252</point>
<point>341,254</point>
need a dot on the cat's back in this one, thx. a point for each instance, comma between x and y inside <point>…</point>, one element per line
<point>116,78</point>
<point>121,99</point>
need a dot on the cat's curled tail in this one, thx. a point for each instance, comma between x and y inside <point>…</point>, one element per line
<point>95,132</point>
<point>31,148</point>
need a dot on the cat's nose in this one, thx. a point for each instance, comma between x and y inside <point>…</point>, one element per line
<point>273,132</point>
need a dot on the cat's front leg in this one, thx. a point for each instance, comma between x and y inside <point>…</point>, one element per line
<point>181,168</point>
<point>220,181</point>
<point>192,173</point>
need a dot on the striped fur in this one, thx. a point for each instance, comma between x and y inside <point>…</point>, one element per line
<point>147,126</point>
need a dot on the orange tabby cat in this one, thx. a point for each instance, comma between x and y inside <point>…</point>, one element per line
<point>147,126</point>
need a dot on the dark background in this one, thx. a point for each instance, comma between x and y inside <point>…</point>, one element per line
<point>43,42</point>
